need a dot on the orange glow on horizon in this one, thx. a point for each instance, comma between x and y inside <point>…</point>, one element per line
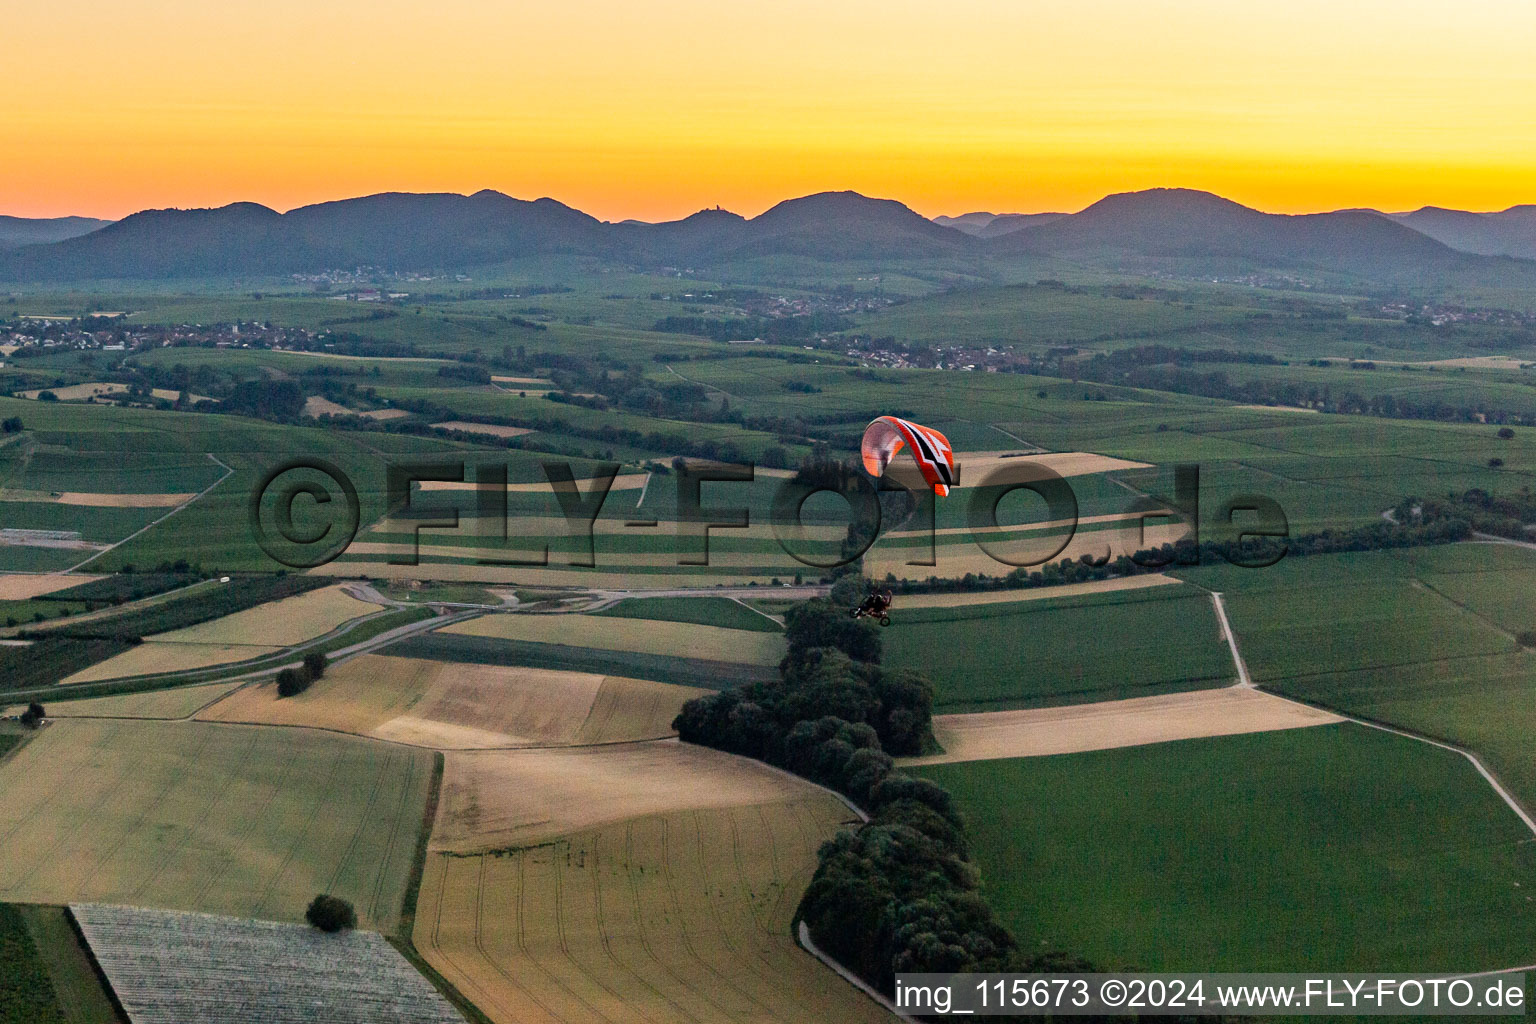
<point>659,110</point>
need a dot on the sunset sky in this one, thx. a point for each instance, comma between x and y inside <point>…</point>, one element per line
<point>655,110</point>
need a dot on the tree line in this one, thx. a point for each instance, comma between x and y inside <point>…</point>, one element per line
<point>900,892</point>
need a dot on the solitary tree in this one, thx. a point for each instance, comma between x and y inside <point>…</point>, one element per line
<point>330,913</point>
<point>291,681</point>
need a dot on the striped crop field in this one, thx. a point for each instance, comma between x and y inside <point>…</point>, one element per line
<point>447,706</point>
<point>241,820</point>
<point>676,916</point>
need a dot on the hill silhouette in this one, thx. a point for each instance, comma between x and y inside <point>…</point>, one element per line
<point>1185,224</point>
<point>991,225</point>
<point>16,231</point>
<point>411,231</point>
<point>1511,232</point>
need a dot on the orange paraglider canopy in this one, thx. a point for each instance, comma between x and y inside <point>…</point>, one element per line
<point>887,435</point>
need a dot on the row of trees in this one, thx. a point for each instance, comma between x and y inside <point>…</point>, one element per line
<point>1447,525</point>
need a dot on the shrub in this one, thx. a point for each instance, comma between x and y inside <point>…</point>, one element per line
<point>330,914</point>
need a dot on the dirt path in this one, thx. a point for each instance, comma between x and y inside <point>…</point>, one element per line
<point>1243,678</point>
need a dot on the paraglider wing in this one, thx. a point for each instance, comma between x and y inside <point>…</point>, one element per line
<point>886,436</point>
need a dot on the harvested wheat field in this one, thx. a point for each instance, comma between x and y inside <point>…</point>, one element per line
<point>643,636</point>
<point>153,658</point>
<point>492,800</point>
<point>957,559</point>
<point>234,820</point>
<point>622,482</point>
<point>456,706</point>
<point>1117,723</point>
<point>317,405</point>
<point>680,916</point>
<point>554,576</point>
<point>965,600</point>
<point>80,392</point>
<point>177,702</point>
<point>293,620</point>
<point>721,556</point>
<point>21,585</point>
<point>1049,524</point>
<point>490,429</point>
<point>976,465</point>
<point>96,499</point>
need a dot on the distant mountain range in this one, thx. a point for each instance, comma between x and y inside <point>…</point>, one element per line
<point>1509,233</point>
<point>410,231</point>
<point>990,225</point>
<point>15,231</point>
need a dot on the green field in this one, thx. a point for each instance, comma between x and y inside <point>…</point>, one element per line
<point>1334,848</point>
<point>705,611</point>
<point>993,657</point>
<point>1419,639</point>
<point>480,650</point>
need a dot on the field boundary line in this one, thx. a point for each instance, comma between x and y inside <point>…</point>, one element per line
<point>228,472</point>
<point>803,937</point>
